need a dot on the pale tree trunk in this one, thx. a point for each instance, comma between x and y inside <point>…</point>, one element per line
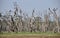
<point>56,20</point>
<point>46,22</point>
<point>56,17</point>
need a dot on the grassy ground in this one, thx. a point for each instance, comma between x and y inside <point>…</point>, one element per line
<point>29,33</point>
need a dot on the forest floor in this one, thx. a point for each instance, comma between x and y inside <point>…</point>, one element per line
<point>30,35</point>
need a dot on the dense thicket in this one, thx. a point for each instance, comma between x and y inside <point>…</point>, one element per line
<point>23,23</point>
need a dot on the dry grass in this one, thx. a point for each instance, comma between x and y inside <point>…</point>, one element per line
<point>30,35</point>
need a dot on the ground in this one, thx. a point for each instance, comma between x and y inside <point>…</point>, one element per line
<point>30,35</point>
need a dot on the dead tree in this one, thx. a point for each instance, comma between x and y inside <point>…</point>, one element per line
<point>31,21</point>
<point>46,23</point>
<point>56,18</point>
<point>15,17</point>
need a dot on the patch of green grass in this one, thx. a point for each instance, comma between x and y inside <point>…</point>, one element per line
<point>30,33</point>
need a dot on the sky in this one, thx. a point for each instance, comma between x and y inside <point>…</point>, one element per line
<point>28,5</point>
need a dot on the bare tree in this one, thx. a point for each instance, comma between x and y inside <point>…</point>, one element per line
<point>56,18</point>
